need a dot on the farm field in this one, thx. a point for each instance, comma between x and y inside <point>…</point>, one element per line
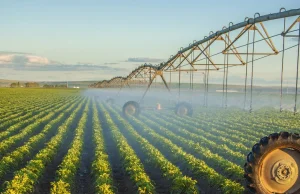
<point>60,141</point>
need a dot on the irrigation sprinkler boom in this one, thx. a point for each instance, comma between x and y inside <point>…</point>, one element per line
<point>243,44</point>
<point>273,165</point>
<point>150,72</point>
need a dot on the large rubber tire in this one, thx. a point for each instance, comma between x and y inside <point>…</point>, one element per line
<point>184,109</point>
<point>273,166</point>
<point>131,108</point>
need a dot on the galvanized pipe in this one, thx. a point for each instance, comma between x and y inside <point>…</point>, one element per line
<point>297,73</point>
<point>268,17</point>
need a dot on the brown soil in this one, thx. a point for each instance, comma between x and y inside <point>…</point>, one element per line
<point>44,184</point>
<point>121,180</point>
<point>162,184</point>
<point>84,182</point>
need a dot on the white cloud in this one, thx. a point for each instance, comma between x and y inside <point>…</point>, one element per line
<point>25,66</point>
<point>22,59</point>
<point>4,59</point>
<point>38,60</point>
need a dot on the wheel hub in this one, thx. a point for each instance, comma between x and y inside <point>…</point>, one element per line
<point>130,110</point>
<point>279,171</point>
<point>182,111</point>
<point>283,172</point>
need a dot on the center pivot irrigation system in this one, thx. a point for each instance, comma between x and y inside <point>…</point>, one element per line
<point>273,166</point>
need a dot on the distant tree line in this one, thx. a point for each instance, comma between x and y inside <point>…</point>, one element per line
<point>55,86</point>
<point>15,85</point>
<point>26,85</point>
<point>32,85</point>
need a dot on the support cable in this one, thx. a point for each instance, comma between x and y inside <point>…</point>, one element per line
<point>190,74</point>
<point>170,80</point>
<point>207,85</point>
<point>282,64</point>
<point>150,77</point>
<point>193,72</point>
<point>252,65</point>
<point>193,80</point>
<point>224,78</point>
<point>246,73</point>
<point>179,76</point>
<point>297,73</point>
<point>226,81</point>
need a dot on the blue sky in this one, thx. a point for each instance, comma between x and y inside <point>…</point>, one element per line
<point>102,32</point>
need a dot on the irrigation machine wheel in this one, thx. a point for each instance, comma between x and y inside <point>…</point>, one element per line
<point>131,108</point>
<point>183,109</point>
<point>273,166</point>
<point>110,101</point>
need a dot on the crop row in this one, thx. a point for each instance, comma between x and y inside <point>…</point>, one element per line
<point>11,114</point>
<point>66,173</point>
<point>15,101</point>
<point>130,161</point>
<point>236,134</point>
<point>32,108</point>
<point>198,134</point>
<point>198,167</point>
<point>237,128</point>
<point>16,124</point>
<point>180,183</point>
<point>267,118</point>
<point>14,159</point>
<point>12,103</point>
<point>25,179</point>
<point>204,149</point>
<point>101,168</point>
<point>32,128</point>
<point>256,124</point>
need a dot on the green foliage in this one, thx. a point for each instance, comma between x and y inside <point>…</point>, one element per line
<point>180,183</point>
<point>210,147</point>
<point>68,168</point>
<point>199,167</point>
<point>131,162</point>
<point>32,85</point>
<point>101,168</point>
<point>26,178</point>
<point>55,86</point>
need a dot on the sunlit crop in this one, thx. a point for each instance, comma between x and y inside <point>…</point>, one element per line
<point>64,142</point>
